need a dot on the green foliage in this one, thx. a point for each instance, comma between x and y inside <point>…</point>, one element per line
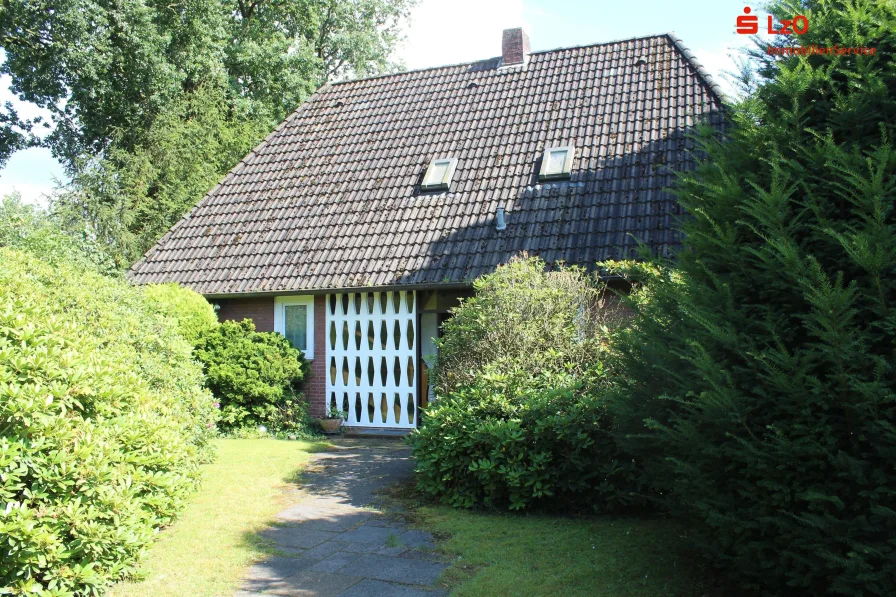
<point>152,102</point>
<point>521,317</point>
<point>519,441</point>
<point>757,382</point>
<point>256,376</point>
<point>103,422</point>
<point>192,313</point>
<point>519,420</point>
<point>132,196</point>
<point>106,70</point>
<point>31,229</point>
<point>334,412</point>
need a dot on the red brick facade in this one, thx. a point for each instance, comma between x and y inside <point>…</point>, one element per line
<point>261,311</point>
<point>316,388</point>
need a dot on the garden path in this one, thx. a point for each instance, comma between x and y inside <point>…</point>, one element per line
<point>337,540</point>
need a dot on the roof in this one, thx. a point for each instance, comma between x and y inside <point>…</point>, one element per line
<point>331,198</point>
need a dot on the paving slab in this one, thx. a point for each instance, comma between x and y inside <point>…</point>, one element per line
<point>264,587</point>
<point>321,551</point>
<point>337,522</point>
<point>417,554</point>
<point>362,547</point>
<point>386,550</point>
<point>312,583</point>
<point>296,536</point>
<point>369,534</point>
<point>334,562</point>
<point>381,521</point>
<point>417,539</point>
<point>276,568</point>
<point>336,543</point>
<point>403,570</point>
<point>378,588</point>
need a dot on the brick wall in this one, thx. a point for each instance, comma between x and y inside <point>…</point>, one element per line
<point>259,310</point>
<point>514,46</point>
<point>316,388</point>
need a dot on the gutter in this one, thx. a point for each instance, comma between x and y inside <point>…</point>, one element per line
<point>342,289</point>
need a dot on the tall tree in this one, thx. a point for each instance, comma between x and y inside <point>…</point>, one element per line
<point>758,382</point>
<point>151,102</point>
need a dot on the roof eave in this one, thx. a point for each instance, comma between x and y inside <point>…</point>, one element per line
<point>339,289</point>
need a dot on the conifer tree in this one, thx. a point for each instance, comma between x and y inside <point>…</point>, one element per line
<point>758,379</point>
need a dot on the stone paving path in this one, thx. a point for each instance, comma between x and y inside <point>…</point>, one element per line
<point>336,543</point>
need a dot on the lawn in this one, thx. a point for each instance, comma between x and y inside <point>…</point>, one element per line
<point>207,550</point>
<point>509,554</point>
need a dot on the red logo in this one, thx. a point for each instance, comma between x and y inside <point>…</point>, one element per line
<point>748,24</point>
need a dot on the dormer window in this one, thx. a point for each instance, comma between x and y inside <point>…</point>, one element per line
<point>557,162</point>
<point>438,175</point>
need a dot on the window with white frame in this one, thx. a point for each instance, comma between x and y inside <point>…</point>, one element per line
<point>438,174</point>
<point>556,162</point>
<point>294,318</point>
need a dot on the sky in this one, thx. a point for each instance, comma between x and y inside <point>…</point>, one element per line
<point>455,31</point>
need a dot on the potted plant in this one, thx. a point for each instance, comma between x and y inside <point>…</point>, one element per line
<point>333,421</point>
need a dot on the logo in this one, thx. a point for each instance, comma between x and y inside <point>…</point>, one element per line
<point>748,24</point>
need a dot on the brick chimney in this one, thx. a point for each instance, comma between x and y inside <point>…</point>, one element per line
<point>514,47</point>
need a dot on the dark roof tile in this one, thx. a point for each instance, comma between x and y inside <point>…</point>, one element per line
<point>330,198</point>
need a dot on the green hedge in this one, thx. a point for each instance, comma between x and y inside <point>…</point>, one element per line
<point>519,421</point>
<point>193,315</point>
<point>758,380</point>
<point>522,317</point>
<point>103,423</point>
<point>517,441</point>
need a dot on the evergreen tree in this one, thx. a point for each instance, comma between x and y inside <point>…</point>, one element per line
<point>758,380</point>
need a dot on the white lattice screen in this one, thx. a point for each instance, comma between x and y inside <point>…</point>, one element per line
<point>372,357</point>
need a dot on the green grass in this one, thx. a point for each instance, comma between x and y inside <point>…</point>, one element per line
<point>507,554</point>
<point>206,551</point>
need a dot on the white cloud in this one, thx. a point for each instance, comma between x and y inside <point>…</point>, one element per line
<point>443,33</point>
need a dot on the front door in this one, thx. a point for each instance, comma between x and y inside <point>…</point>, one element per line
<point>372,358</point>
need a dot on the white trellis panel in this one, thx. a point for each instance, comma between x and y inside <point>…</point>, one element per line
<point>371,353</point>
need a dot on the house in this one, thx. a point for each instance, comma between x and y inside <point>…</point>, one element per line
<point>356,224</point>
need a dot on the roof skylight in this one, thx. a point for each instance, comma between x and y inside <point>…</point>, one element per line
<point>438,174</point>
<point>557,162</point>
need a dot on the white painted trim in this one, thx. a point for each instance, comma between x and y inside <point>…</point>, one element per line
<point>565,172</point>
<point>280,317</point>
<point>439,185</point>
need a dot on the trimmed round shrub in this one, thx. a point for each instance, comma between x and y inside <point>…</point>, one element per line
<point>191,312</point>
<point>256,376</point>
<point>104,422</point>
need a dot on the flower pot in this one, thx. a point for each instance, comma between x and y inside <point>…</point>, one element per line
<point>330,425</point>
